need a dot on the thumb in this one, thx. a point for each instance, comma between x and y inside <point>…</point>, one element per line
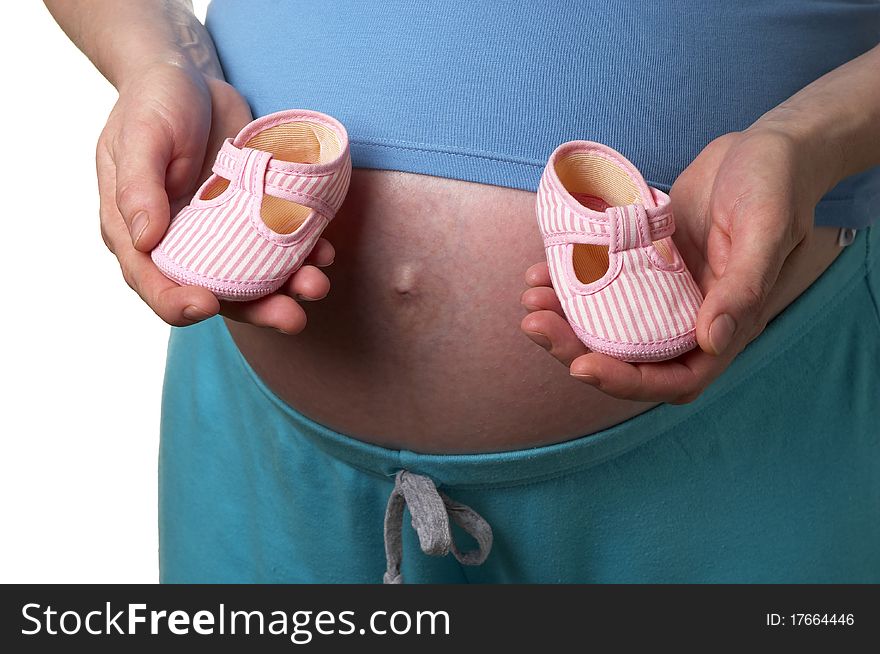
<point>141,154</point>
<point>734,307</point>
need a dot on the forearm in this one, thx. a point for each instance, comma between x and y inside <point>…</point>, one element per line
<point>838,118</point>
<point>122,37</point>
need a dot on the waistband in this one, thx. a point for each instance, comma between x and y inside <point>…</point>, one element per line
<point>519,467</point>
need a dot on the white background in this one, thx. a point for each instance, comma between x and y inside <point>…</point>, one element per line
<point>82,357</point>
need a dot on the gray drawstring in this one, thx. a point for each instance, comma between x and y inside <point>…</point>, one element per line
<point>430,510</point>
<point>846,236</point>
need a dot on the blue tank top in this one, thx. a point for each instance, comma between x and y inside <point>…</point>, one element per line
<point>484,91</point>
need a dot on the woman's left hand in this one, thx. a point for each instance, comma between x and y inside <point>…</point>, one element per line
<point>743,210</point>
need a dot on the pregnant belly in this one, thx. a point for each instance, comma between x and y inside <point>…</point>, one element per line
<point>418,344</point>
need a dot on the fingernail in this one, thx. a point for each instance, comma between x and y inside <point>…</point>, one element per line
<point>139,224</point>
<point>585,377</point>
<point>540,339</point>
<point>192,312</point>
<point>721,333</point>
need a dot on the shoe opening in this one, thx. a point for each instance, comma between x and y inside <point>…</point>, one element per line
<point>597,183</point>
<point>298,142</point>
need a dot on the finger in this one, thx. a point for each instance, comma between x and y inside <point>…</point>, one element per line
<point>182,175</point>
<point>141,153</point>
<point>541,298</point>
<point>276,311</point>
<point>538,275</point>
<point>308,283</point>
<point>678,380</point>
<point>107,209</point>
<point>322,255</point>
<point>176,305</point>
<point>554,334</point>
<point>733,309</point>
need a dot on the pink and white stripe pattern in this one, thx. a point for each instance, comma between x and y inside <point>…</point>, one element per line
<point>222,244</point>
<point>644,308</point>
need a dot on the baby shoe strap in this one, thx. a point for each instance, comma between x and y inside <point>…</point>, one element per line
<point>318,187</point>
<point>252,170</point>
<point>661,222</point>
<point>632,228</point>
<point>564,220</point>
<point>226,164</point>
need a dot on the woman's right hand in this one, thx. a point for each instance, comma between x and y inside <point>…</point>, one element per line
<point>158,145</point>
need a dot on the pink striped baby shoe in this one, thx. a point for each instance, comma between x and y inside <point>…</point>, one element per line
<point>275,188</point>
<point>620,279</point>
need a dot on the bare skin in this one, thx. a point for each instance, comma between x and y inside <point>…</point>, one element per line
<point>419,345</point>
